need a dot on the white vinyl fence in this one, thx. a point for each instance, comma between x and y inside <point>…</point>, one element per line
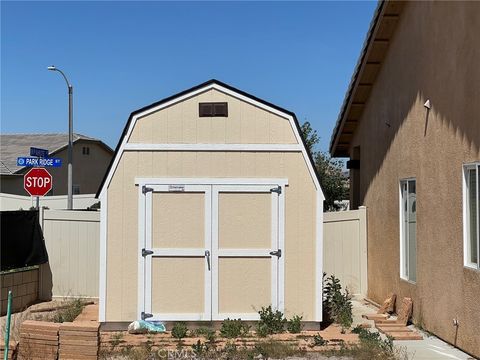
<point>72,240</point>
<point>10,202</point>
<point>345,248</point>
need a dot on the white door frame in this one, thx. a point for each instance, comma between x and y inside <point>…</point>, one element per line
<point>210,186</point>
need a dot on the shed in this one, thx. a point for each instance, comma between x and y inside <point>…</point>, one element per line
<point>211,208</point>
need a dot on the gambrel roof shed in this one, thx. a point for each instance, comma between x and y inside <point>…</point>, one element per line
<point>211,208</point>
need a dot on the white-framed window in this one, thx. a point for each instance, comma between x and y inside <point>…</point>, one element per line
<point>408,229</point>
<point>471,215</point>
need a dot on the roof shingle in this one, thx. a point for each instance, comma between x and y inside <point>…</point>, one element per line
<point>15,145</point>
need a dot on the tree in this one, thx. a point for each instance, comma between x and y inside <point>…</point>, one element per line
<point>332,180</point>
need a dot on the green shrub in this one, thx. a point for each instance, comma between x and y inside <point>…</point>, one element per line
<point>294,325</point>
<point>373,339</point>
<point>271,322</point>
<point>337,304</point>
<point>179,330</point>
<point>72,309</point>
<point>233,328</point>
<point>203,331</point>
<point>318,340</point>
<point>199,348</point>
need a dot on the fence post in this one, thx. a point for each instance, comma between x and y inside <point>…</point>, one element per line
<point>363,250</point>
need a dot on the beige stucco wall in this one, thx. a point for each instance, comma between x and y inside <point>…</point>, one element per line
<point>433,55</point>
<point>122,196</point>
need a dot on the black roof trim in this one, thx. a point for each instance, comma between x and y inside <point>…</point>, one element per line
<point>197,87</point>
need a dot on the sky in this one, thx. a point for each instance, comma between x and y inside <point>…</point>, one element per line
<point>121,56</point>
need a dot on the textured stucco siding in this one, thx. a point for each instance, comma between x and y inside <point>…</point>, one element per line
<point>434,55</point>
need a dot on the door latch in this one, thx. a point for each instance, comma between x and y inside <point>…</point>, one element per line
<point>146,252</point>
<point>276,253</point>
<point>207,256</point>
<point>145,315</point>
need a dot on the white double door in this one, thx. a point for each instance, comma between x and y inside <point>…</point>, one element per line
<point>210,251</point>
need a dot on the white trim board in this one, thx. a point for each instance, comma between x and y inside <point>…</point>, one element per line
<point>210,181</point>
<point>215,147</point>
<point>102,293</point>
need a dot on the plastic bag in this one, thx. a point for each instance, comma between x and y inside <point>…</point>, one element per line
<point>142,327</point>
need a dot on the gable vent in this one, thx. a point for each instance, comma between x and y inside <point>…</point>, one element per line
<point>213,109</point>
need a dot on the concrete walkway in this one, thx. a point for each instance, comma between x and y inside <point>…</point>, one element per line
<point>430,348</point>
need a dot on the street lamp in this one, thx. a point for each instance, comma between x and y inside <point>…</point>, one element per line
<point>70,137</point>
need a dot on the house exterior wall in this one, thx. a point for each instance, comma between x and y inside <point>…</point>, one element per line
<point>180,123</point>
<point>88,171</point>
<point>433,55</point>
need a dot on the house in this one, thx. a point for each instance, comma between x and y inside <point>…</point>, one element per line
<point>211,208</point>
<point>411,129</point>
<point>90,160</point>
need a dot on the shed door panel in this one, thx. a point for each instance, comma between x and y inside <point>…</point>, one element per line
<point>245,273</point>
<point>178,220</point>
<point>178,277</point>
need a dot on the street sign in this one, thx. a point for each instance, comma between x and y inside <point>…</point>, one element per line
<point>37,182</point>
<point>33,161</point>
<point>38,152</point>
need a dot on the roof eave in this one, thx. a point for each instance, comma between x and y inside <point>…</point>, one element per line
<point>371,57</point>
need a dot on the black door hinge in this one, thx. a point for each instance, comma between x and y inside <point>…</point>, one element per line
<point>146,315</point>
<point>277,190</point>
<point>146,252</point>
<point>276,253</point>
<point>146,189</point>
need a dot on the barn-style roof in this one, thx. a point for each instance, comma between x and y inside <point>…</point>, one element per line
<point>206,85</point>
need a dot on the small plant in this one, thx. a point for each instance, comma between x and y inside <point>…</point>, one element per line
<point>373,341</point>
<point>233,328</point>
<point>116,339</point>
<point>338,304</point>
<point>199,348</point>
<point>277,350</point>
<point>318,340</point>
<point>179,330</point>
<point>72,309</point>
<point>271,322</point>
<point>294,325</point>
<point>202,331</point>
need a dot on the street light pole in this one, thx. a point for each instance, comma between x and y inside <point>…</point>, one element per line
<point>70,138</point>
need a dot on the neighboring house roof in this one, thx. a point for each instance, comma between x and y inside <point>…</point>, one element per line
<point>373,53</point>
<point>16,145</point>
<point>206,85</point>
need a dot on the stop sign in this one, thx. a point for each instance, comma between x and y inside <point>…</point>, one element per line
<point>37,182</point>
